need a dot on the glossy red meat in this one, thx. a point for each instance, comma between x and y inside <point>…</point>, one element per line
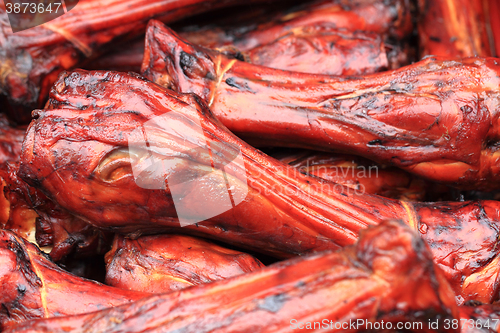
<point>16,212</point>
<point>30,214</point>
<point>492,8</point>
<point>386,18</point>
<point>436,118</point>
<point>305,49</point>
<point>324,51</point>
<point>387,276</point>
<point>94,165</point>
<point>163,263</point>
<point>11,140</point>
<point>360,174</point>
<point>82,151</point>
<point>467,252</point>
<point>34,287</point>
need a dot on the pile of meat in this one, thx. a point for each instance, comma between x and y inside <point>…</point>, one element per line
<point>266,166</point>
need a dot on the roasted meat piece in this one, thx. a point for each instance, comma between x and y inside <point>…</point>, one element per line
<point>16,212</point>
<point>31,215</point>
<point>328,37</point>
<point>34,287</point>
<point>163,263</point>
<point>11,140</point>
<point>464,245</point>
<point>32,59</point>
<point>436,118</point>
<point>387,276</point>
<point>453,29</point>
<point>131,156</point>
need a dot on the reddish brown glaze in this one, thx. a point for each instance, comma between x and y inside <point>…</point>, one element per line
<point>163,263</point>
<point>30,214</point>
<point>324,37</point>
<point>34,287</point>
<point>16,212</point>
<point>436,118</point>
<point>124,58</point>
<point>324,51</point>
<point>305,49</point>
<point>468,255</point>
<point>258,27</point>
<point>77,151</point>
<point>388,275</point>
<point>360,174</point>
<point>453,28</point>
<point>94,166</point>
<point>32,59</point>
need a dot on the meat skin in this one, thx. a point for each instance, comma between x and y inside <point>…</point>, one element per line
<point>163,263</point>
<point>33,287</point>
